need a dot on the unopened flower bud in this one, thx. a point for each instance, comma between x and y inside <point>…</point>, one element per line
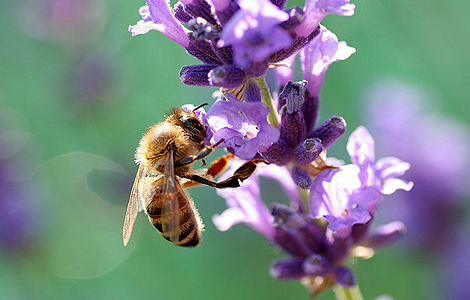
<point>316,265</point>
<point>278,153</point>
<point>227,76</point>
<point>301,178</point>
<point>292,128</point>
<point>330,131</point>
<point>308,151</point>
<point>287,269</point>
<point>345,277</point>
<point>196,75</point>
<point>385,235</point>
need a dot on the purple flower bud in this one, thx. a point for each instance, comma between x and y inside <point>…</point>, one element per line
<point>287,268</point>
<point>180,13</point>
<point>317,265</point>
<point>338,249</point>
<point>293,129</point>
<point>296,16</point>
<point>310,111</point>
<point>386,235</point>
<point>330,131</point>
<point>301,178</point>
<point>279,153</point>
<point>202,50</point>
<point>293,95</point>
<point>227,76</point>
<point>345,277</point>
<point>196,75</point>
<point>308,151</point>
<point>199,8</point>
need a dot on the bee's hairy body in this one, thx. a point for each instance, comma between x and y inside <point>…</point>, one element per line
<point>184,138</point>
<point>165,155</point>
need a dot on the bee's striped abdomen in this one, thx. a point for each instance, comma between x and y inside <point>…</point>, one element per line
<point>180,226</point>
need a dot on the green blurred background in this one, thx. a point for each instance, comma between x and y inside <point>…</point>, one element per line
<point>81,91</point>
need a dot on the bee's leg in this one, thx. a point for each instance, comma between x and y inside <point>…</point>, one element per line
<point>242,173</point>
<point>219,165</point>
<point>201,155</point>
<point>215,168</point>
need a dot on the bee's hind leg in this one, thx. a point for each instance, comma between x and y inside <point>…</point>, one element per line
<point>242,173</point>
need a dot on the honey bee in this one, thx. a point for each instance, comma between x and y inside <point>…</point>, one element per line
<point>165,155</point>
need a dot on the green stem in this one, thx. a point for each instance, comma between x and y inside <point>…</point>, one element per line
<point>343,293</point>
<point>273,117</point>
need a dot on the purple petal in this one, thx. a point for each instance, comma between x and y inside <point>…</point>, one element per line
<point>158,16</point>
<point>318,55</point>
<point>251,30</point>
<point>245,205</point>
<point>316,10</point>
<point>282,175</point>
<point>361,146</point>
<point>243,126</point>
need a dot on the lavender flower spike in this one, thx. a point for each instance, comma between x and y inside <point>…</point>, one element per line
<point>158,16</point>
<point>253,32</point>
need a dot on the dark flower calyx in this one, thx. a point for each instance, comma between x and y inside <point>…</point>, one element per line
<point>227,76</point>
<point>287,268</point>
<point>317,265</point>
<point>307,151</point>
<point>301,178</point>
<point>345,277</point>
<point>278,153</point>
<point>330,131</point>
<point>293,96</point>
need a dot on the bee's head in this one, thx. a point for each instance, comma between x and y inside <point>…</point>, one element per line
<point>189,121</point>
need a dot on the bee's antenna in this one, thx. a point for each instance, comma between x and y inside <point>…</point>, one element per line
<point>200,105</point>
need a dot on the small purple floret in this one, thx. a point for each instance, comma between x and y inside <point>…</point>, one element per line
<point>243,126</point>
<point>253,32</point>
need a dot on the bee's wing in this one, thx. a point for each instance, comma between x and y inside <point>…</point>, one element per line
<point>171,191</point>
<point>133,206</point>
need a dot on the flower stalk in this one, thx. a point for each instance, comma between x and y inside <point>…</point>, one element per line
<point>273,116</point>
<point>343,293</point>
